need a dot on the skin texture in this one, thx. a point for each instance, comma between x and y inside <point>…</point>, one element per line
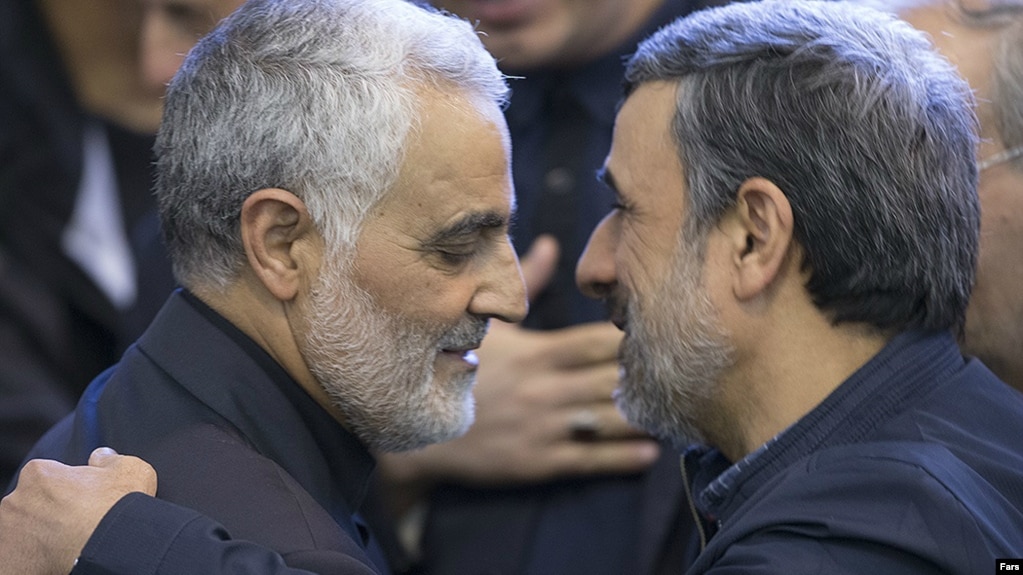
<point>552,376</point>
<point>994,320</point>
<point>675,347</point>
<point>98,44</point>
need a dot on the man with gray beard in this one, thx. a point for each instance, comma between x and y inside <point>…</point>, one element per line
<point>338,217</point>
<point>790,258</point>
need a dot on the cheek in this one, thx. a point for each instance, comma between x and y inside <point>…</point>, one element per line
<point>644,256</point>
<point>423,297</point>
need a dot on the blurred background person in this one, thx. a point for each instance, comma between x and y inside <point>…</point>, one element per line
<point>81,267</point>
<point>984,40</point>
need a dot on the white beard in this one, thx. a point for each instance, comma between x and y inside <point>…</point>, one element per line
<point>378,369</point>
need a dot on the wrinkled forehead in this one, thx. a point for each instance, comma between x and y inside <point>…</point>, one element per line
<point>456,159</point>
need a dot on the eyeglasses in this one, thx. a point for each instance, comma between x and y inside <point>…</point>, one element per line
<point>1000,158</point>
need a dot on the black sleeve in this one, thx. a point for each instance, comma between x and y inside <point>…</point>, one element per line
<point>142,535</point>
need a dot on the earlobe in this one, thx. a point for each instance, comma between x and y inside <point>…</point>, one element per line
<point>763,230</point>
<point>273,224</point>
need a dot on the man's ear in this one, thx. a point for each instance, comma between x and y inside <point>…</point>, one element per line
<point>761,236</point>
<point>273,222</point>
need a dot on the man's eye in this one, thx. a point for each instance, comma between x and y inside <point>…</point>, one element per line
<point>456,256</point>
<point>619,206</point>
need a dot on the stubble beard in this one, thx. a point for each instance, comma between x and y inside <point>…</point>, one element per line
<point>673,356</point>
<point>378,369</point>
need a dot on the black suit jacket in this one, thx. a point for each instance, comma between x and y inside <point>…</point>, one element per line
<point>231,436</point>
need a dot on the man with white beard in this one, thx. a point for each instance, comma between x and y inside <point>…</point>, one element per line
<point>334,186</point>
<point>790,257</point>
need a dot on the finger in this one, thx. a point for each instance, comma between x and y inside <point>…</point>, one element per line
<point>605,421</point>
<point>140,473</point>
<point>134,473</point>
<point>603,458</point>
<point>580,387</point>
<point>583,344</point>
<point>539,264</point>
<point>39,470</point>
<point>102,457</point>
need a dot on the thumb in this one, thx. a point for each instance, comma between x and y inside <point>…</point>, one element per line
<point>102,457</point>
<point>133,473</point>
<point>539,264</point>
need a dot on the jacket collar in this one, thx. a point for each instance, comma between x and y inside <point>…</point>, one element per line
<point>908,367</point>
<point>233,376</point>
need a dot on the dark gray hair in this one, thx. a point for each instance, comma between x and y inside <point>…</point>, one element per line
<point>870,134</point>
<point>314,96</point>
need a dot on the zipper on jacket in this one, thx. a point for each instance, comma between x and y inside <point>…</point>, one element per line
<point>692,505</point>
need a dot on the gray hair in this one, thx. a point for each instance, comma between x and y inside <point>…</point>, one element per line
<point>317,97</point>
<point>869,133</point>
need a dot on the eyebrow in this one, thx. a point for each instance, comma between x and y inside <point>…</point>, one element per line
<point>468,225</point>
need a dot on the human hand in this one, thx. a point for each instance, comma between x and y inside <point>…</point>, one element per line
<point>544,407</point>
<point>47,519</point>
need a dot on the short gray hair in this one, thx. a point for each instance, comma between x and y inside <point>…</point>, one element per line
<point>317,97</point>
<point>870,134</point>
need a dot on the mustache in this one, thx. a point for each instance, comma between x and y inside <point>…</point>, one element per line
<point>468,334</point>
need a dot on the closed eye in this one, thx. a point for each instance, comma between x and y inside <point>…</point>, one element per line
<point>605,177</point>
<point>456,256</point>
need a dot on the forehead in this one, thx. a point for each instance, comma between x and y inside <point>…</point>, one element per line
<point>644,156</point>
<point>456,163</point>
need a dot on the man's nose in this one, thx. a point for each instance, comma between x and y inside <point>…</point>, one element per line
<point>595,273</point>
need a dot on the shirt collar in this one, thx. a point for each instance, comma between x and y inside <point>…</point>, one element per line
<point>343,466</point>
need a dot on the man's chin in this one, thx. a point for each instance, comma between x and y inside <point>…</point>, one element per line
<point>427,423</point>
<point>653,414</point>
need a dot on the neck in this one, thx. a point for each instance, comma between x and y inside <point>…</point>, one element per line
<point>268,322</point>
<point>790,373</point>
